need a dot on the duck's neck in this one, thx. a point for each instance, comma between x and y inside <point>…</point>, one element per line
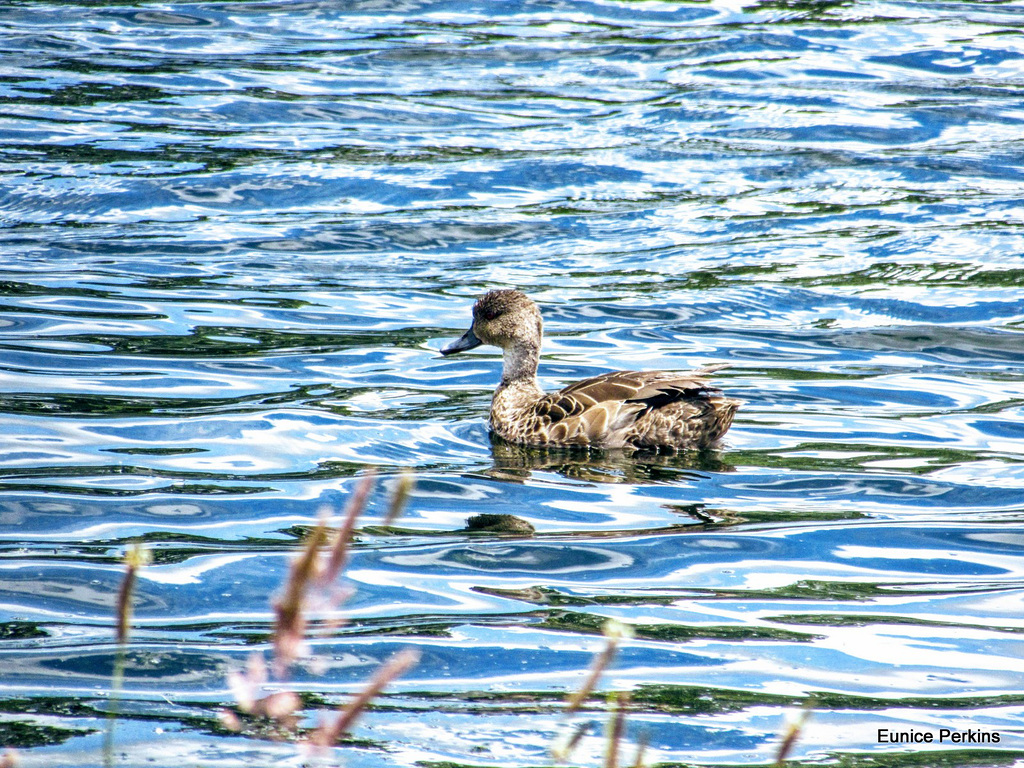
<point>520,364</point>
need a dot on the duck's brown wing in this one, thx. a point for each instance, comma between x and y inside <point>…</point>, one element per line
<point>603,409</point>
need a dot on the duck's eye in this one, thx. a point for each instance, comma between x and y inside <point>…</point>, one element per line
<point>491,313</point>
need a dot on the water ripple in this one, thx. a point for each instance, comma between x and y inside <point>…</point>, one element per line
<point>235,236</point>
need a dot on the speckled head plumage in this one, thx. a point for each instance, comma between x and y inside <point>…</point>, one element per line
<point>503,318</point>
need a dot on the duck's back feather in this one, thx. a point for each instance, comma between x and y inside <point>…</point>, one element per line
<point>624,408</point>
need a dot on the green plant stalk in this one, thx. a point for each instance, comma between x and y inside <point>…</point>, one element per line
<point>134,559</point>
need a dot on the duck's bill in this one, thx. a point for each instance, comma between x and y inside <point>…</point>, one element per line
<point>468,341</point>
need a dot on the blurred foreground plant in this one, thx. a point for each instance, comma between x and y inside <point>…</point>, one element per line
<point>311,587</point>
<point>614,632</point>
<point>135,558</point>
<point>793,731</point>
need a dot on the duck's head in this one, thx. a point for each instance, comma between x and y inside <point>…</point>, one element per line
<point>504,318</point>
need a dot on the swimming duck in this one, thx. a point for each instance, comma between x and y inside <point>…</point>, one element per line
<point>638,409</point>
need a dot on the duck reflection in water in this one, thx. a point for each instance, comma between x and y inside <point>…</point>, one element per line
<point>515,461</point>
<point>518,463</point>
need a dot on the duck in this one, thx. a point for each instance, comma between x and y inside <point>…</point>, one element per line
<point>657,410</point>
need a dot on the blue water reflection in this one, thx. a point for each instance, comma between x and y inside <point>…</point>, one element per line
<point>235,235</point>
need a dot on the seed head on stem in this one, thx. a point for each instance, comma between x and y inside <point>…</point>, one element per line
<point>328,734</point>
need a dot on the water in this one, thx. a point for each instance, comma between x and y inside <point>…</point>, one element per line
<point>236,234</point>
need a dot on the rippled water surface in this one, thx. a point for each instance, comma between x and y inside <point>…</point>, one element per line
<point>235,235</point>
